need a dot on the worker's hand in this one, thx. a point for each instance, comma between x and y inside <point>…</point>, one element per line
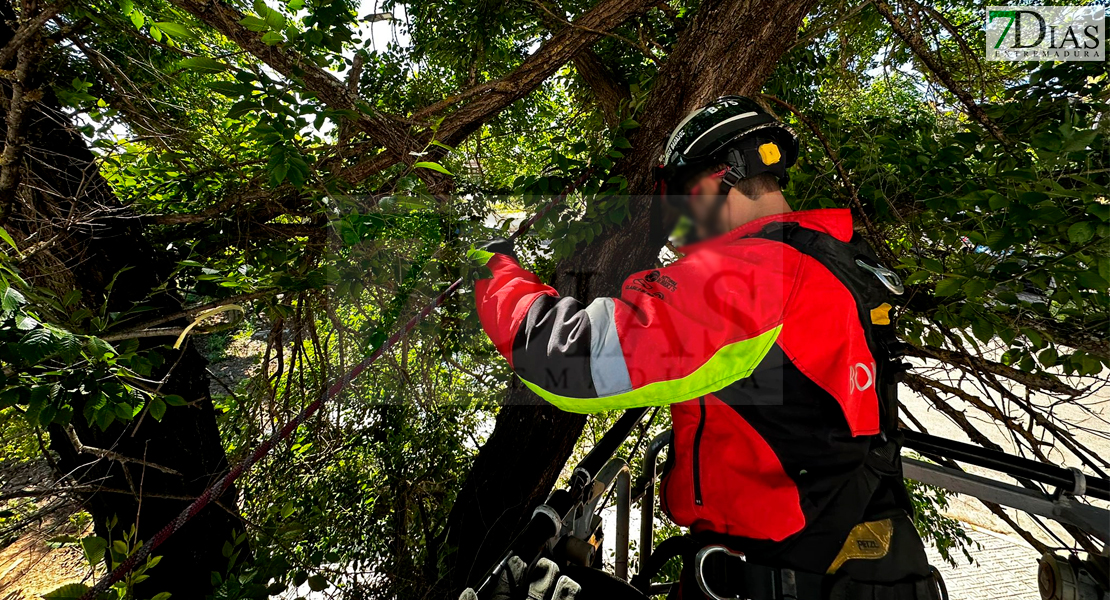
<point>480,252</point>
<point>543,583</point>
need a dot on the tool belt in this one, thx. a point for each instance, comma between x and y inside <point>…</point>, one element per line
<point>726,575</point>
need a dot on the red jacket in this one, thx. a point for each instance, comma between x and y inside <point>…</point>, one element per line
<point>758,348</point>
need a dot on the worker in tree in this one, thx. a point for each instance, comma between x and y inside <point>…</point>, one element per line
<point>771,341</point>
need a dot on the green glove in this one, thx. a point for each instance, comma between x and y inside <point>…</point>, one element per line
<point>543,583</point>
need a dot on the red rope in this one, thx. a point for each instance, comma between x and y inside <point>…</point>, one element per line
<point>217,489</point>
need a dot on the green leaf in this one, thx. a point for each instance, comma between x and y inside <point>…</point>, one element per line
<point>1100,210</point>
<point>1048,357</point>
<point>104,418</point>
<point>272,38</point>
<point>1081,232</point>
<point>94,548</point>
<point>231,89</point>
<point>982,329</point>
<point>1091,280</point>
<point>137,19</point>
<point>9,397</point>
<point>162,595</point>
<point>431,165</point>
<point>974,287</point>
<point>4,235</point>
<point>241,108</point>
<point>92,405</point>
<point>68,591</point>
<point>40,394</point>
<point>933,265</point>
<point>176,30</point>
<point>124,411</point>
<point>99,347</point>
<point>317,583</point>
<point>431,143</point>
<point>948,287</point>
<point>202,64</point>
<point>174,400</point>
<point>25,323</point>
<point>916,277</point>
<point>36,345</point>
<point>157,408</point>
<point>478,257</point>
<point>253,23</point>
<point>49,412</point>
<point>996,239</point>
<point>274,19</point>
<point>11,299</point>
<point>277,174</point>
<point>69,347</point>
<point>1033,197</point>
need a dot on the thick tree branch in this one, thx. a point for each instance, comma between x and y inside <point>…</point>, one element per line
<point>608,92</point>
<point>11,169</point>
<point>485,101</point>
<point>29,28</point>
<point>553,54</point>
<point>970,55</point>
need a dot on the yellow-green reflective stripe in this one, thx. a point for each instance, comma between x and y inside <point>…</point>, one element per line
<point>729,364</point>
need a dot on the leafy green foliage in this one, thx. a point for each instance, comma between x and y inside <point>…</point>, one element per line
<point>1011,241</point>
<point>100,552</point>
<point>52,373</point>
<point>945,533</point>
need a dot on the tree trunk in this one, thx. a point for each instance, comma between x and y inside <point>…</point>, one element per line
<point>79,237</point>
<point>730,46</point>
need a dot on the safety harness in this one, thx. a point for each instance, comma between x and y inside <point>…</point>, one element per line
<point>722,573</point>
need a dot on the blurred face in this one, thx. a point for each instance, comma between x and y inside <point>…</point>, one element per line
<point>703,196</point>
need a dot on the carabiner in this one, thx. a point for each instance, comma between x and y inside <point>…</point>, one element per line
<point>699,562</point>
<point>889,278</point>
